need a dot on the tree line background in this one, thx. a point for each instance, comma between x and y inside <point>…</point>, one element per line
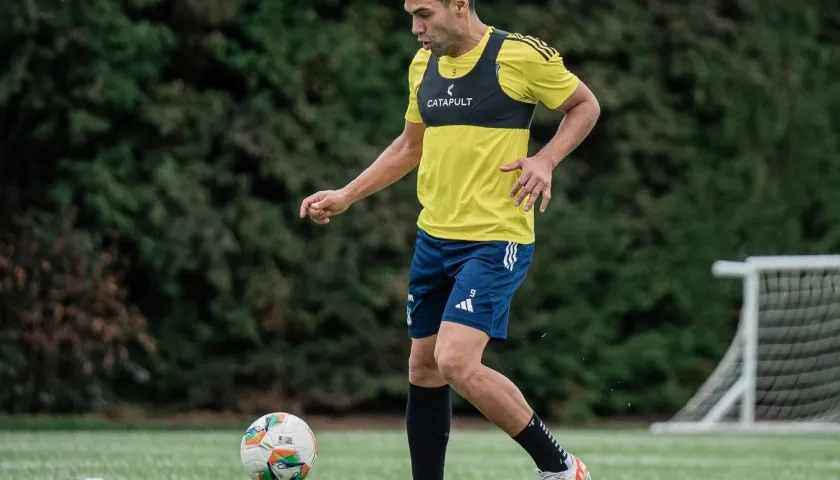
<point>153,154</point>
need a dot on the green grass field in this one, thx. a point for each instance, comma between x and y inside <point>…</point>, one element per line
<point>383,455</point>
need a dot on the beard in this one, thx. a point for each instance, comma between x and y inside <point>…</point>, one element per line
<point>440,48</point>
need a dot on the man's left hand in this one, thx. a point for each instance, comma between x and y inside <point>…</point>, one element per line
<point>534,180</point>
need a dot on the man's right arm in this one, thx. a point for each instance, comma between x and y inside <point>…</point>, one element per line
<point>393,163</point>
<point>404,153</point>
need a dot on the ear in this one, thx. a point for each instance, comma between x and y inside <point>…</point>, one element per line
<point>461,6</point>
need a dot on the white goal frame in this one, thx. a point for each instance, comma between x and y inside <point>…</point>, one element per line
<point>746,340</point>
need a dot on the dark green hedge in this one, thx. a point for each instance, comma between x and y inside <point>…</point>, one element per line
<point>185,133</point>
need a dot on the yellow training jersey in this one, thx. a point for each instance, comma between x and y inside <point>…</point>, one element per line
<point>477,108</point>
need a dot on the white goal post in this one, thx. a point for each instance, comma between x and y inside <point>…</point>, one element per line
<point>782,369</point>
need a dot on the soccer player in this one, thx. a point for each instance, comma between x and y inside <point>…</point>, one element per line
<point>472,94</point>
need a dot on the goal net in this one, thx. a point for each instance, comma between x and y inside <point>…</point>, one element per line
<point>782,369</point>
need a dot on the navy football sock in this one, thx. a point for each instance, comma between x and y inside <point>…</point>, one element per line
<point>542,446</point>
<point>428,418</point>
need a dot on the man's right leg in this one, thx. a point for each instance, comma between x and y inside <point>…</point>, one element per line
<point>428,412</point>
<point>429,408</point>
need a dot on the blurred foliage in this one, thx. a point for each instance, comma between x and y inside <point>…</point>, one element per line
<point>68,324</point>
<point>194,128</point>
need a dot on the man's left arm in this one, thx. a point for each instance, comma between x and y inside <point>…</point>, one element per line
<point>581,110</point>
<point>548,81</point>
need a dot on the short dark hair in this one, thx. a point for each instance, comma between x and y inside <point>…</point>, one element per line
<point>447,2</point>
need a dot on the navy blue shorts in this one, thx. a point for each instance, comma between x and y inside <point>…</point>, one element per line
<point>471,283</point>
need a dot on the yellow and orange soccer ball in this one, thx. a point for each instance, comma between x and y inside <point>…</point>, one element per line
<point>278,446</point>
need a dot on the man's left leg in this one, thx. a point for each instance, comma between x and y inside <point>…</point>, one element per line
<point>477,311</point>
<point>458,353</point>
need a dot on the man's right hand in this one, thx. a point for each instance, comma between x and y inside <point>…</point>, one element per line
<point>323,205</point>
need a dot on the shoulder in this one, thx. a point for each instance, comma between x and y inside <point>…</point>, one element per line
<point>416,69</point>
<point>421,56</point>
<point>419,62</point>
<point>527,49</point>
<point>531,70</point>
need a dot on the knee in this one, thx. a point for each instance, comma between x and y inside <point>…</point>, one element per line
<point>422,369</point>
<point>455,366</point>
